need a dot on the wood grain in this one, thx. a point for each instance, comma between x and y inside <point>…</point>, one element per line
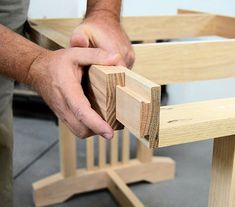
<point>68,162</point>
<point>185,61</point>
<point>222,189</point>
<point>52,190</point>
<point>90,153</point>
<point>143,154</point>
<point>198,121</point>
<point>121,192</point>
<point>102,152</point>
<point>138,28</point>
<point>114,149</point>
<point>121,96</point>
<point>223,25</point>
<point>125,135</point>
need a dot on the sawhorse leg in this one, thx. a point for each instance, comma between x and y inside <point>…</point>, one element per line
<point>222,189</point>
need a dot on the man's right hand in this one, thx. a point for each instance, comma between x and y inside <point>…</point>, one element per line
<point>56,75</point>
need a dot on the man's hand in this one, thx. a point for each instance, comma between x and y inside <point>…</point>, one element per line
<point>57,78</point>
<point>102,30</point>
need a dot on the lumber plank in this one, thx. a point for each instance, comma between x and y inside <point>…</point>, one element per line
<point>198,121</point>
<point>68,163</point>
<point>138,28</point>
<point>222,188</point>
<point>185,61</point>
<point>192,61</point>
<point>223,25</point>
<point>51,190</point>
<point>121,192</point>
<point>175,26</point>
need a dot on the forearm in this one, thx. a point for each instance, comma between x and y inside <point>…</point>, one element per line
<point>17,55</point>
<point>104,8</point>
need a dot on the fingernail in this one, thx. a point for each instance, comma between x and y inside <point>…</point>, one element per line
<point>107,136</point>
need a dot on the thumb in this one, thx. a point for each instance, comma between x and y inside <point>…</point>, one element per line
<point>79,38</point>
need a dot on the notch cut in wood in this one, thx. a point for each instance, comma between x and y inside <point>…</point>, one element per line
<point>123,97</point>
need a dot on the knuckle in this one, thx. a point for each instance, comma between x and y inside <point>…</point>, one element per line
<point>82,134</point>
<point>131,56</point>
<point>79,114</point>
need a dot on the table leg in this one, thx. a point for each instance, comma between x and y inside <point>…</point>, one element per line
<point>222,188</point>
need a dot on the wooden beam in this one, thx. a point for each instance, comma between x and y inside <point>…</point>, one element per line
<point>192,122</point>
<point>175,26</point>
<point>68,162</point>
<point>185,61</point>
<point>223,25</point>
<point>121,96</point>
<point>52,190</point>
<point>222,189</point>
<point>121,192</point>
<point>143,28</point>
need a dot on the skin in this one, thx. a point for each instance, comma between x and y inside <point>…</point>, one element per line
<point>56,75</point>
<point>101,29</point>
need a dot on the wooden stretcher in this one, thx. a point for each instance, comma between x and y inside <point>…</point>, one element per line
<point>153,125</point>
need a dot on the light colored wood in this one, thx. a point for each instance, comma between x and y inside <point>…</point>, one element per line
<point>137,107</point>
<point>102,152</point>
<point>222,189</point>
<point>125,135</point>
<point>104,101</point>
<point>191,60</point>
<point>68,163</point>
<point>52,190</point>
<point>143,153</point>
<point>223,25</point>
<point>129,99</point>
<point>198,121</point>
<point>175,26</point>
<point>188,11</point>
<point>137,28</point>
<point>185,61</point>
<point>90,153</point>
<point>123,194</point>
<point>114,149</point>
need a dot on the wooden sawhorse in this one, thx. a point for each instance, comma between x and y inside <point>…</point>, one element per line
<point>164,63</point>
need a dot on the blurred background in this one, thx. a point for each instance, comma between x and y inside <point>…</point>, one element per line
<point>36,133</point>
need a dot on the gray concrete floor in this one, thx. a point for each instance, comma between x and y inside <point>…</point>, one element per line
<point>36,156</point>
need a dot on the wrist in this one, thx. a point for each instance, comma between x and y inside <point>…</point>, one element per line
<point>102,15</point>
<point>37,67</point>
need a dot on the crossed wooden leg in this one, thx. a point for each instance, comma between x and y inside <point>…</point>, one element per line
<point>114,176</point>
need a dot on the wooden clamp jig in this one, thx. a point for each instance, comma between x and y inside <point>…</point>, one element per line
<point>123,97</point>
